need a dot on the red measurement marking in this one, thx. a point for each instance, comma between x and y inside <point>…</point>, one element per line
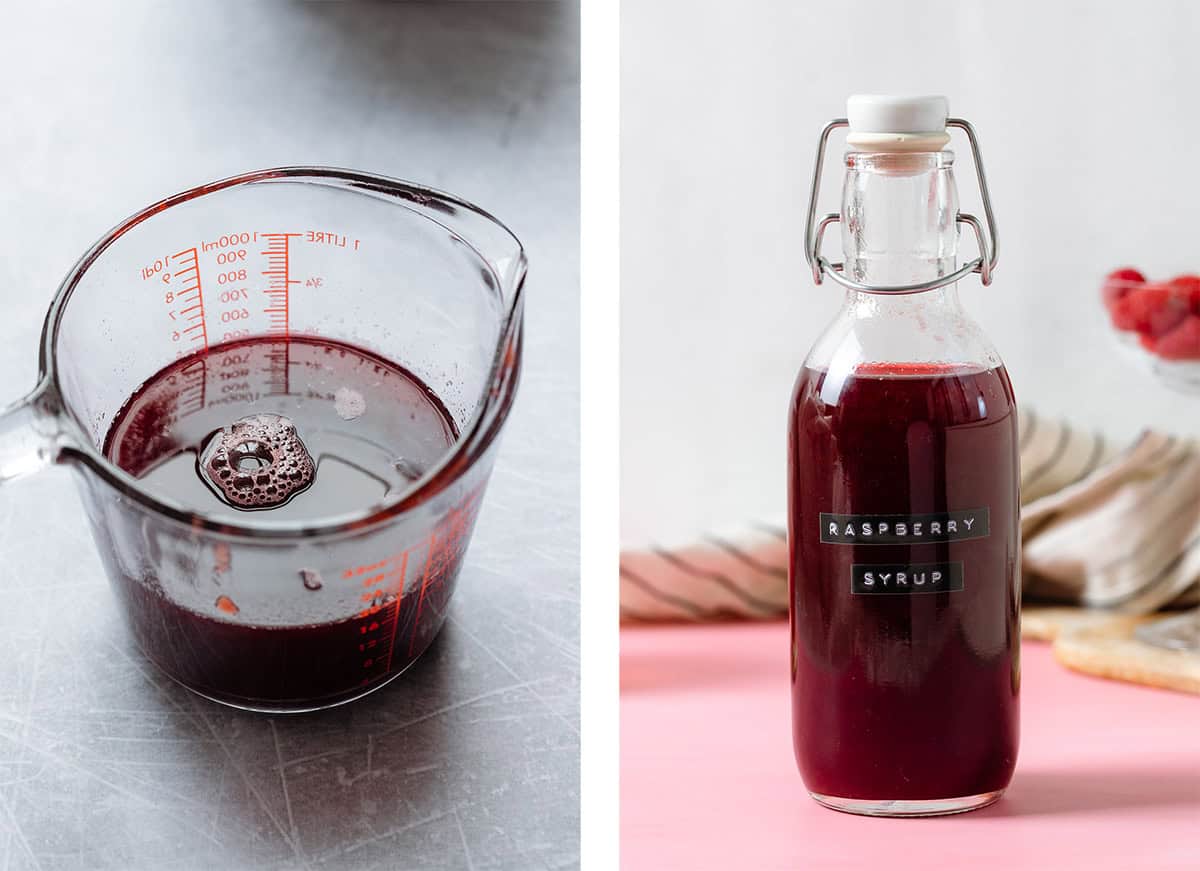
<point>377,580</point>
<point>329,237</point>
<point>373,630</point>
<point>426,574</point>
<point>278,369</point>
<point>278,310</point>
<point>190,298</point>
<point>279,280</point>
<point>445,546</point>
<point>362,570</point>
<point>192,395</point>
<point>399,591</point>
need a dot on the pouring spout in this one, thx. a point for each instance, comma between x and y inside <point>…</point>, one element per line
<point>495,244</point>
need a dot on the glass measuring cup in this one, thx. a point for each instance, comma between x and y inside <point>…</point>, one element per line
<point>421,279</point>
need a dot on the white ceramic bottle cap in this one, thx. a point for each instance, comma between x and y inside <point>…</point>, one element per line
<point>887,123</point>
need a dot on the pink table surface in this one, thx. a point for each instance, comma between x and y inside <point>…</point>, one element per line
<point>1108,776</point>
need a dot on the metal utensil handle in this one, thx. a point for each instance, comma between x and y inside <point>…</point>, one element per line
<point>984,264</point>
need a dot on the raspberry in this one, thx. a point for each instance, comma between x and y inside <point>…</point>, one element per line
<point>1151,308</point>
<point>1188,287</point>
<point>1181,343</point>
<point>1120,282</point>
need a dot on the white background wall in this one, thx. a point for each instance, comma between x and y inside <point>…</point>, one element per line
<point>1089,118</point>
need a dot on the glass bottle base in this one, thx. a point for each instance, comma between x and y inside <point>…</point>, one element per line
<point>919,808</point>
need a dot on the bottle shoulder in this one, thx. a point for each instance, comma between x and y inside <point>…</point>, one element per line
<point>871,329</point>
<point>885,398</point>
<point>909,358</point>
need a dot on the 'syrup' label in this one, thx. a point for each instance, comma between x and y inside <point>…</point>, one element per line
<point>905,579</point>
<point>904,528</point>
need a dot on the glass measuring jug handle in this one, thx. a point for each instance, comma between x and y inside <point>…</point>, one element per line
<point>30,433</point>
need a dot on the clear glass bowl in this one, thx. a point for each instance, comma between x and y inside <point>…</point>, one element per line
<point>1182,375</point>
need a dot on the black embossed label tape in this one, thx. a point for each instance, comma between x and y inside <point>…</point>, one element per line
<point>904,528</point>
<point>899,579</point>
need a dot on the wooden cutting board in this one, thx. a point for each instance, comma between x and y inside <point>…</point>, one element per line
<point>1102,644</point>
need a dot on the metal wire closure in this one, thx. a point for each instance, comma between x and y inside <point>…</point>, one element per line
<point>814,232</point>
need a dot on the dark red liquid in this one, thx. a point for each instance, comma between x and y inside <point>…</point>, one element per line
<point>284,667</point>
<point>904,696</point>
<point>214,613</point>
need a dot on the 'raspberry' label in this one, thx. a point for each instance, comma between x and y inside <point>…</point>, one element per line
<point>904,528</point>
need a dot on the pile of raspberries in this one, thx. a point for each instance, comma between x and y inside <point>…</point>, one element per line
<point>1164,315</point>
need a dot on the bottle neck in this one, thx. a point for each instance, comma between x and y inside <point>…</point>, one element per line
<point>899,227</point>
<point>891,305</point>
<point>899,222</point>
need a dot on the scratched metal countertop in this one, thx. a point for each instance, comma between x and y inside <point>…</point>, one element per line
<point>470,761</point>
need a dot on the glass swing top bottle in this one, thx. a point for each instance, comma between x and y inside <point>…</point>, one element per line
<point>903,492</point>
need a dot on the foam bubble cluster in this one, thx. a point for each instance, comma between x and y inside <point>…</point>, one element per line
<point>257,462</point>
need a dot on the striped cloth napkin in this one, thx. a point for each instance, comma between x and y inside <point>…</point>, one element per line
<point>1101,527</point>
